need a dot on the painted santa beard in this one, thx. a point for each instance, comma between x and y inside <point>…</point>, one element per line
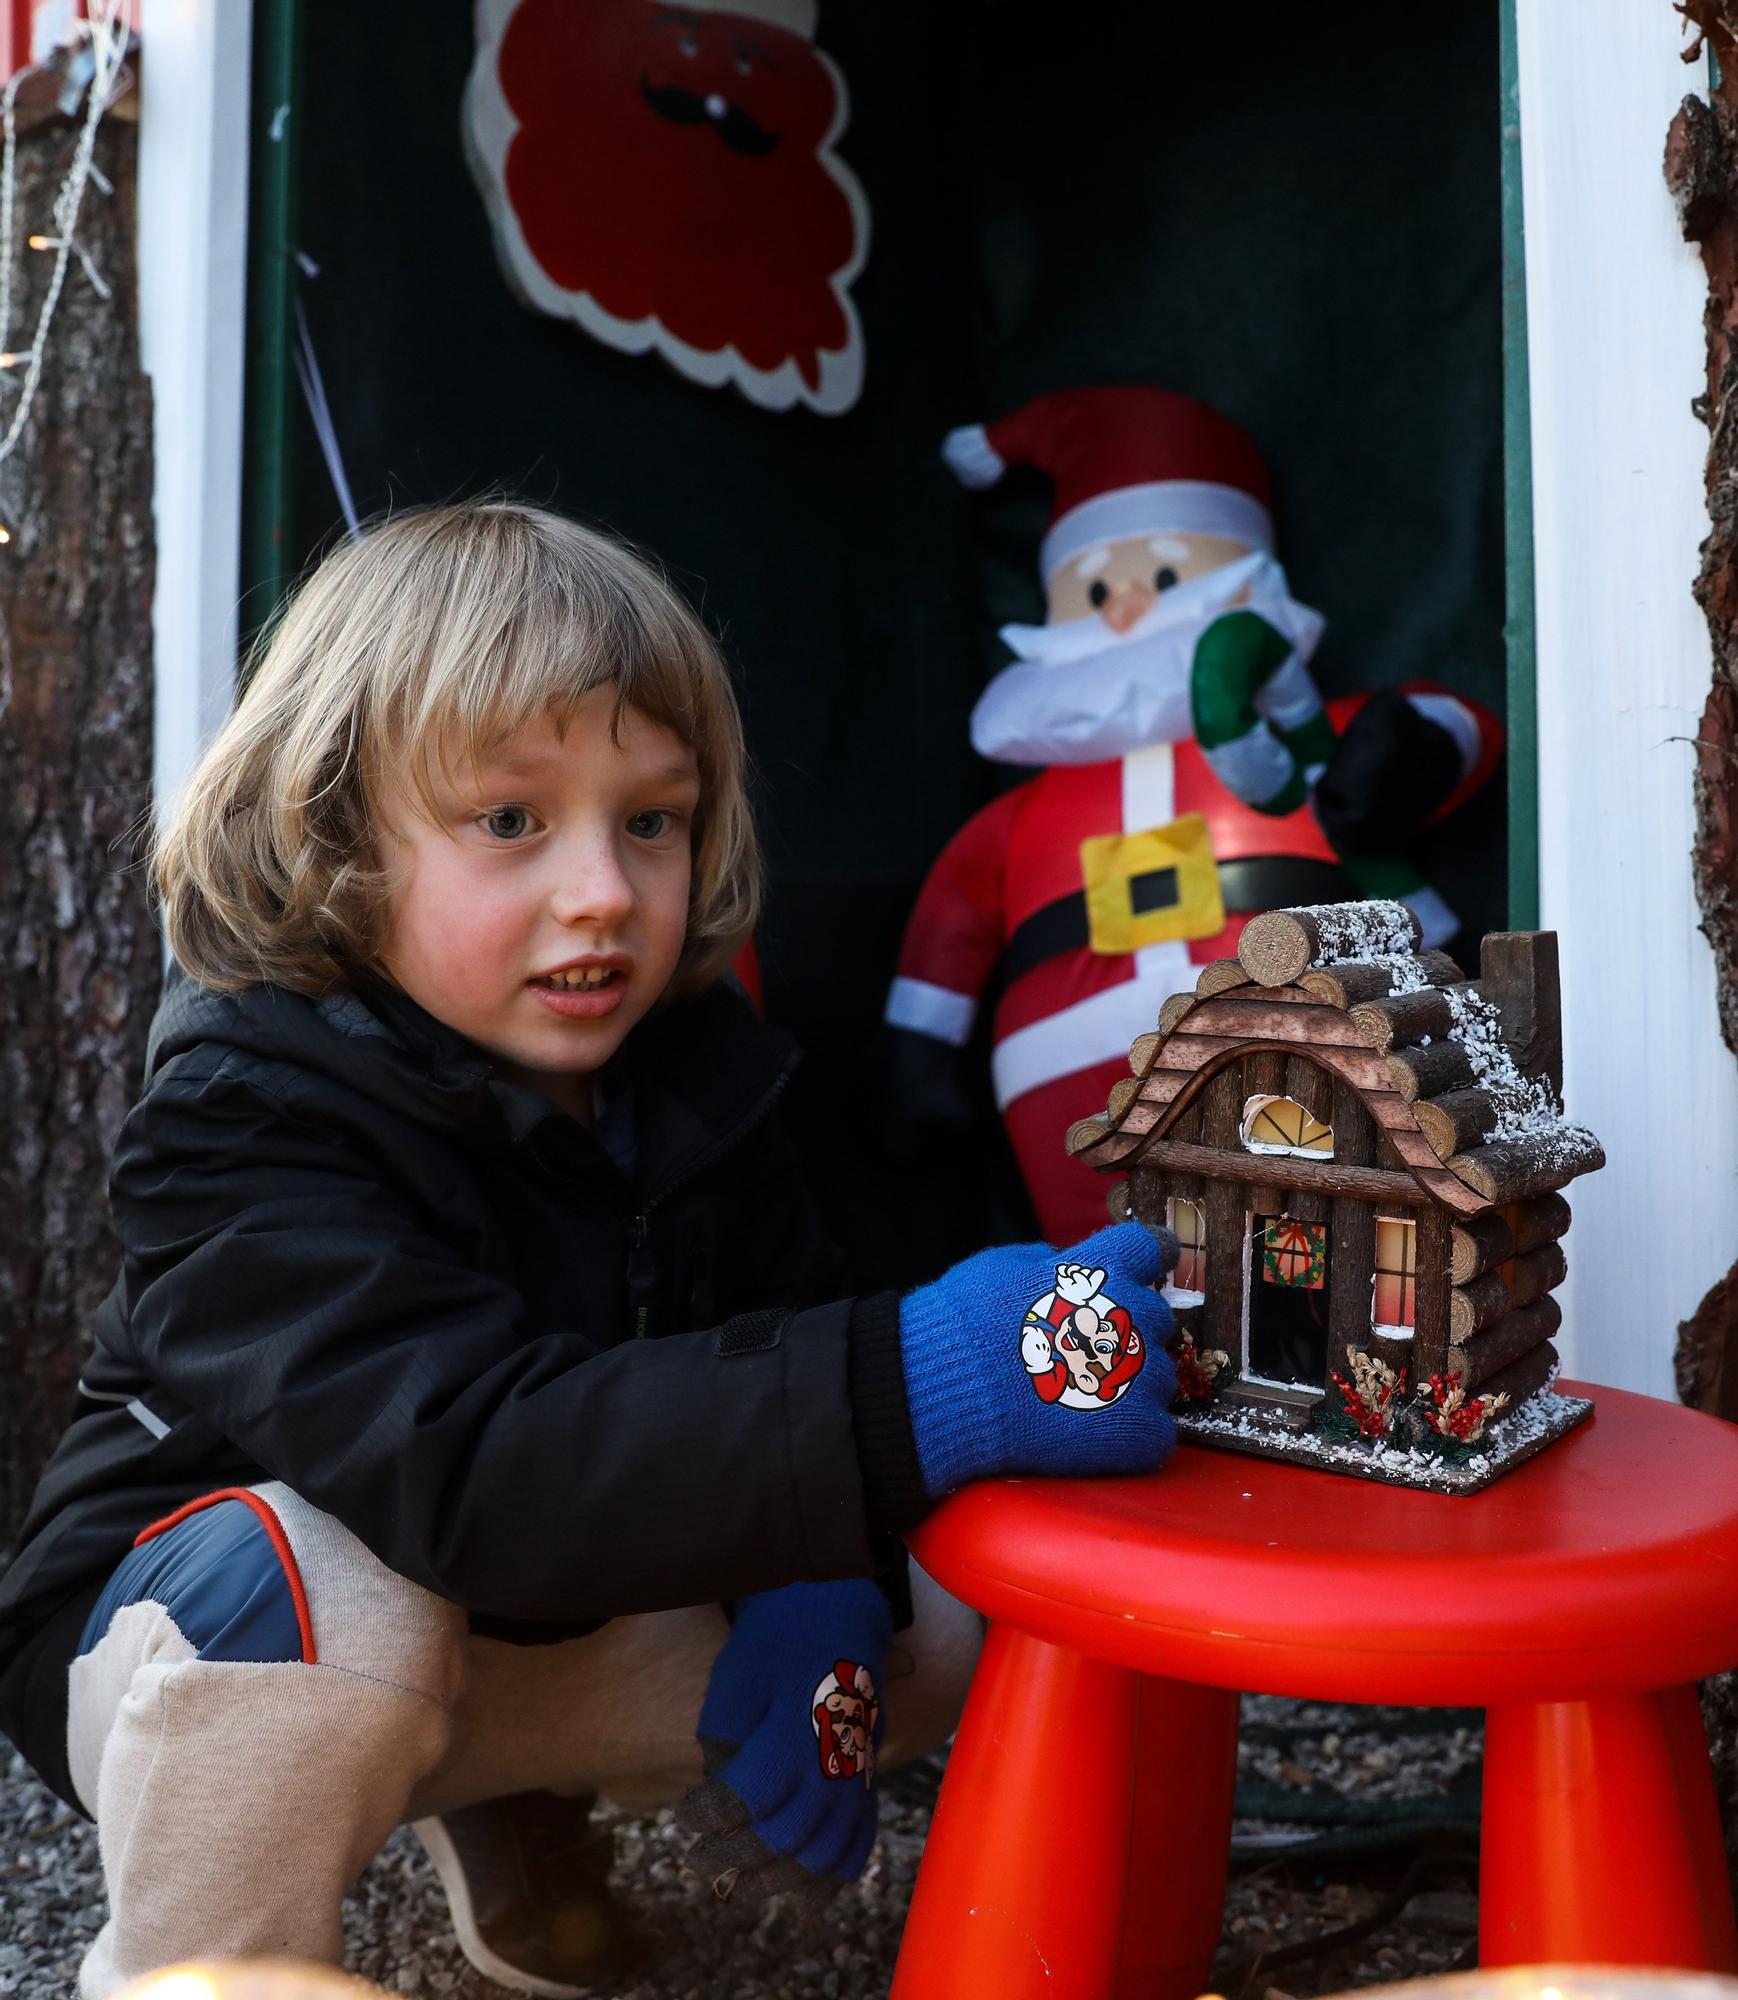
<point>1080,694</point>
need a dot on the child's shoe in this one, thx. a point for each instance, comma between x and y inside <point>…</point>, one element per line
<point>526,1881</point>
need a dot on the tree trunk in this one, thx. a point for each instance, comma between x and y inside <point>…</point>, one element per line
<point>82,958</point>
<point>1702,171</point>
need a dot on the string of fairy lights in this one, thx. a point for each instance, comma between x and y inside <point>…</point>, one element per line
<point>97,67</point>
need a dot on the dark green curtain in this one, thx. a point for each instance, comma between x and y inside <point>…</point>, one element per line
<point>1293,217</point>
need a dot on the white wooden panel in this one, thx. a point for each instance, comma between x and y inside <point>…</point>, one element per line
<point>1614,307</point>
<point>193,155</point>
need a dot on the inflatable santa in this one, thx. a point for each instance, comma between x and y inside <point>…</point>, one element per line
<point>1193,775</point>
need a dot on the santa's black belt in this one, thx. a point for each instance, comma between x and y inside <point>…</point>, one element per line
<point>1257,882</point>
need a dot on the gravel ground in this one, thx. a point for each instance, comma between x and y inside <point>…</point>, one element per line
<point>1406,1900</point>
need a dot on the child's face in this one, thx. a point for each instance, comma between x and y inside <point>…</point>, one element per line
<point>565,854</point>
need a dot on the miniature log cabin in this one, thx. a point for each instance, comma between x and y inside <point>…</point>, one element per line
<point>1361,1154</point>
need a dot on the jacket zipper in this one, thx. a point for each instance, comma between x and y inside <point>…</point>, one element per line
<point>642,1277</point>
<point>642,1270</point>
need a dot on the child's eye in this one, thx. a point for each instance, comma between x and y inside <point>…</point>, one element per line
<point>650,825</point>
<point>496,814</point>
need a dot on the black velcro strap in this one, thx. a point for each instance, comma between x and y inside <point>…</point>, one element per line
<point>752,1333</point>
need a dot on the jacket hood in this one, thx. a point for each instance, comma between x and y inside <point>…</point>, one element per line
<point>700,1067</point>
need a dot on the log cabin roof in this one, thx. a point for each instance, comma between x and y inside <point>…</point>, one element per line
<point>1390,1025</point>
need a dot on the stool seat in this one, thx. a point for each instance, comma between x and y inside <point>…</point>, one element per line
<point>1608,1562</point>
<point>1577,1599</point>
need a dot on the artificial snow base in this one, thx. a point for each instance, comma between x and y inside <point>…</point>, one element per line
<point>1539,1421</point>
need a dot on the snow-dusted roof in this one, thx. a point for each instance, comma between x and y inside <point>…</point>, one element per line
<point>1425,1049</point>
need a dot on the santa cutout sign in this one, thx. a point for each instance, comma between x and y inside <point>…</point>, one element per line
<point>665,177</point>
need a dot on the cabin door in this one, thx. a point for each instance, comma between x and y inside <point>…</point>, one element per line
<point>1285,1335</point>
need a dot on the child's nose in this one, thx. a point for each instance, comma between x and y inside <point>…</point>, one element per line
<point>596,889</point>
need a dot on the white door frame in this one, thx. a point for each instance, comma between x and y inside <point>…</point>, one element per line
<point>193,180</point>
<point>1615,353</point>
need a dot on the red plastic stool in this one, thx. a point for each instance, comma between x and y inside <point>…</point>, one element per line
<point>1578,1600</point>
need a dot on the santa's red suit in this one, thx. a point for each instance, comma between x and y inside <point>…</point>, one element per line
<point>1064,1019</point>
<point>1017,902</point>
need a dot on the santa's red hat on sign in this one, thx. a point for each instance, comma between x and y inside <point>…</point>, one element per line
<point>1125,462</point>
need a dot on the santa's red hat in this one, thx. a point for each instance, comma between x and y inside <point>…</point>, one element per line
<point>1124,462</point>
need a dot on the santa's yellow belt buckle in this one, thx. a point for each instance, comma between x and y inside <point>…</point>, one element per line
<point>1145,888</point>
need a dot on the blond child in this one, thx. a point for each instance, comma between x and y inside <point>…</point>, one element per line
<point>476,1424</point>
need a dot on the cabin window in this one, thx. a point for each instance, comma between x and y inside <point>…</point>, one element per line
<point>1282,1125</point>
<point>1394,1295</point>
<point>1188,1224</point>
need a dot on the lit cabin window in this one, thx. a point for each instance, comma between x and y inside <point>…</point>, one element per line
<point>1189,1225</point>
<point>1394,1295</point>
<point>1282,1125</point>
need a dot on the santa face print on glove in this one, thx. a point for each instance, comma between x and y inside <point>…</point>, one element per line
<point>1079,1347</point>
<point>845,1711</point>
<point>665,176</point>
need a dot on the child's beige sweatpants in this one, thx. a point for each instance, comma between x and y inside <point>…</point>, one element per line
<point>235,1802</point>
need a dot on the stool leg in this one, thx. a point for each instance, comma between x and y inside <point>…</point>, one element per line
<point>1587,1853</point>
<point>1179,1841</point>
<point>1021,1888</point>
<point>1701,1810</point>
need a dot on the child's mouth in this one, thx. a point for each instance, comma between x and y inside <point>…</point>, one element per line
<point>597,991</point>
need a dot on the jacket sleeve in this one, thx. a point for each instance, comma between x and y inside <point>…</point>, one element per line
<point>793,1263</point>
<point>286,1294</point>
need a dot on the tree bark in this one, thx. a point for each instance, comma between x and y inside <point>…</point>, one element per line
<point>76,721</point>
<point>1701,166</point>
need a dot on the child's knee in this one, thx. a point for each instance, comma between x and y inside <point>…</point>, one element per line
<point>929,1669</point>
<point>365,1618</point>
<point>254,1579</point>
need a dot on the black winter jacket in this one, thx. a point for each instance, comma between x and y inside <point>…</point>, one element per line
<point>359,1259</point>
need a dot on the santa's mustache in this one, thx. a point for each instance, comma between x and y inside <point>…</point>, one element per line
<point>1080,693</point>
<point>740,132</point>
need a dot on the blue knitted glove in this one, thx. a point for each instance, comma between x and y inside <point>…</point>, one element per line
<point>1028,1359</point>
<point>789,1730</point>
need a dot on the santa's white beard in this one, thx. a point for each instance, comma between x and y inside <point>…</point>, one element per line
<point>1079,693</point>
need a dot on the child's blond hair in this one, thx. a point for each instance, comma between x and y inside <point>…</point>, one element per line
<point>440,631</point>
